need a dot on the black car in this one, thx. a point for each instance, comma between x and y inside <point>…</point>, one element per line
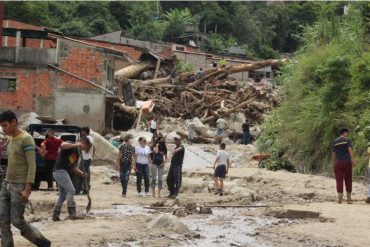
<point>64,132</point>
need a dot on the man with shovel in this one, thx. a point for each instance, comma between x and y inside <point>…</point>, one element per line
<point>66,164</point>
<point>18,182</point>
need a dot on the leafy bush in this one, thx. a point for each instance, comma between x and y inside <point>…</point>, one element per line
<point>182,67</point>
<point>326,87</point>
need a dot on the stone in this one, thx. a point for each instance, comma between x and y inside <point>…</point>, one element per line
<point>291,213</point>
<point>171,136</point>
<point>104,150</point>
<point>169,222</point>
<point>202,129</point>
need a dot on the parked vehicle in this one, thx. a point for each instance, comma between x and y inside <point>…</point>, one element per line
<point>64,132</point>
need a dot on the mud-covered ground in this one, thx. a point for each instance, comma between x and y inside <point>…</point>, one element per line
<point>301,210</point>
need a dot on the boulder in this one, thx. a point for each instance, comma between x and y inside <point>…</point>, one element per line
<point>169,222</point>
<point>28,118</point>
<point>137,134</point>
<point>235,121</point>
<point>104,150</point>
<point>255,131</point>
<point>171,136</point>
<point>202,129</point>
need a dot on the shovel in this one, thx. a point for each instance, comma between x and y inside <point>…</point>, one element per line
<point>87,188</point>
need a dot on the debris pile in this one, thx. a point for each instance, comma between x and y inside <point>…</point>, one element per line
<point>204,98</point>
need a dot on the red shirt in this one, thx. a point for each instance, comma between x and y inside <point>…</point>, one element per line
<point>52,145</point>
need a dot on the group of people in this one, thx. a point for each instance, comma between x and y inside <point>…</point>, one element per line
<point>144,159</point>
<point>60,158</point>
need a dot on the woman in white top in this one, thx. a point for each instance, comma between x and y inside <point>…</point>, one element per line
<point>142,164</point>
<point>153,126</point>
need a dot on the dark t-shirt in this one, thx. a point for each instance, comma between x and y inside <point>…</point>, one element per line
<point>245,127</point>
<point>178,158</point>
<point>126,152</point>
<point>67,159</point>
<point>52,145</point>
<point>340,147</point>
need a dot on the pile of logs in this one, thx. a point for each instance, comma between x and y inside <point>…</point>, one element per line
<point>212,96</point>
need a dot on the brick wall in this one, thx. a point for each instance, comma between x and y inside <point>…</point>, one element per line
<point>82,60</point>
<point>31,83</point>
<point>34,43</point>
<point>132,51</point>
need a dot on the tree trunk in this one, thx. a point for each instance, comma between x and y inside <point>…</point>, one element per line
<point>232,69</point>
<point>133,70</point>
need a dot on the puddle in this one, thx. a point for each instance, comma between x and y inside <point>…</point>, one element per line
<point>226,227</point>
<point>119,211</point>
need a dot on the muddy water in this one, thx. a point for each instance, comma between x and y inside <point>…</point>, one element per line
<point>225,227</point>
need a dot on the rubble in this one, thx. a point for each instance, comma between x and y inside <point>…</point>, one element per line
<point>214,95</point>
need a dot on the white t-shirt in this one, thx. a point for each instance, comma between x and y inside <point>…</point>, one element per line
<point>142,154</point>
<point>221,123</point>
<point>223,156</point>
<point>89,154</point>
<point>153,124</point>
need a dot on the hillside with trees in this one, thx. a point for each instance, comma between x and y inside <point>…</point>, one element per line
<point>262,29</point>
<point>326,87</point>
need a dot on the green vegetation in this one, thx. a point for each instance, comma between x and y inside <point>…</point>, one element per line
<point>263,29</point>
<point>326,87</point>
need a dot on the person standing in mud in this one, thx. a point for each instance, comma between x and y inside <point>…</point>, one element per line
<point>125,158</point>
<point>17,186</point>
<point>343,160</point>
<point>221,167</point>
<point>159,159</point>
<point>67,163</point>
<point>154,126</point>
<point>50,149</point>
<point>142,165</point>
<point>174,176</point>
<point>85,162</point>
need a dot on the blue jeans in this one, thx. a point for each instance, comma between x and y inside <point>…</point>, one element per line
<point>157,171</point>
<point>66,189</point>
<point>11,212</point>
<point>219,131</point>
<point>142,172</point>
<point>246,137</point>
<point>124,175</point>
<point>84,183</point>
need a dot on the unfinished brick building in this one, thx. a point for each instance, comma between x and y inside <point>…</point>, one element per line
<point>53,75</point>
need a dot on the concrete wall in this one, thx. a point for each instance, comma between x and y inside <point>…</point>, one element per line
<point>81,108</point>
<point>28,56</point>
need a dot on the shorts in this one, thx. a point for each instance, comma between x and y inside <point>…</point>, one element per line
<point>153,130</point>
<point>220,171</point>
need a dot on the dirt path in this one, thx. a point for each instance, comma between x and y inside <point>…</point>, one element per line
<point>116,221</point>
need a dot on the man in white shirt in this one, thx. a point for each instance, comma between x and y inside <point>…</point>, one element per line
<point>86,159</point>
<point>221,167</point>
<point>221,124</point>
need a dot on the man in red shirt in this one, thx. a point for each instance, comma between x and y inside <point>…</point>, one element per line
<point>50,149</point>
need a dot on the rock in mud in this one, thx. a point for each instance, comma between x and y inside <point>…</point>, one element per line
<point>291,214</point>
<point>169,222</point>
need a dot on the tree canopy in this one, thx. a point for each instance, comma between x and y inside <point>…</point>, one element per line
<point>263,29</point>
